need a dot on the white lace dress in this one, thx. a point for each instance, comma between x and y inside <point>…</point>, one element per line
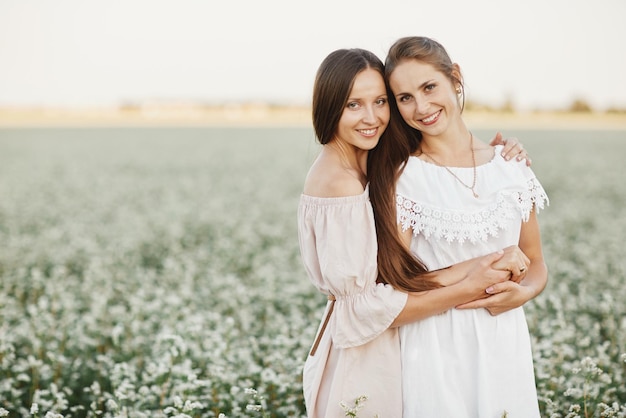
<point>467,363</point>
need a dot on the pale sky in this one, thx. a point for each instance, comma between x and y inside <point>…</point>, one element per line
<point>537,53</point>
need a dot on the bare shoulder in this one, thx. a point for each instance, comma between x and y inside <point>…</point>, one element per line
<point>484,152</point>
<point>481,146</point>
<point>326,179</point>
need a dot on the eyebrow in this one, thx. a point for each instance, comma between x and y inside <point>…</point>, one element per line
<point>361,99</point>
<point>421,86</point>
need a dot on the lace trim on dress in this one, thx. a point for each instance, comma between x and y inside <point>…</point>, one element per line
<point>473,226</point>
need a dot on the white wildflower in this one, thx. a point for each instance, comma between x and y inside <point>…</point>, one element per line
<point>111,404</point>
<point>94,388</point>
<point>253,407</point>
<point>190,406</point>
<point>22,377</point>
<point>608,411</point>
<point>34,408</point>
<point>3,412</point>
<point>352,411</point>
<point>573,392</point>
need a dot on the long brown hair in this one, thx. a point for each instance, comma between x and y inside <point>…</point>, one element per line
<point>396,264</point>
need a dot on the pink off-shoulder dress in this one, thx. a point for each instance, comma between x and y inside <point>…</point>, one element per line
<point>358,354</point>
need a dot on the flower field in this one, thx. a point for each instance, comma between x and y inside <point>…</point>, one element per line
<point>156,272</point>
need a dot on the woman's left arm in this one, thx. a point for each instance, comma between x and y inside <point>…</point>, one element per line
<point>509,295</point>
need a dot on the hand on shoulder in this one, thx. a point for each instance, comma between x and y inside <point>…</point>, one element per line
<point>512,148</point>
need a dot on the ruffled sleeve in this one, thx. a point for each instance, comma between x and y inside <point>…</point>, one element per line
<point>533,197</point>
<point>338,248</point>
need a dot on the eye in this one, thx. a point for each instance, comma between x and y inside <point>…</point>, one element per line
<point>381,102</point>
<point>404,98</point>
<point>430,87</point>
<point>353,105</point>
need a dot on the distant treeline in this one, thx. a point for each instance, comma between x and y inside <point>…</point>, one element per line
<point>577,106</point>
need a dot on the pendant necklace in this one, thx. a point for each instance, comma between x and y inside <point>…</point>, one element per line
<point>454,175</point>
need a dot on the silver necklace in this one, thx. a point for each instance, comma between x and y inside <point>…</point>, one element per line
<point>454,175</point>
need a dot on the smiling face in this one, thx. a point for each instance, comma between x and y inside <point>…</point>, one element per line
<point>427,99</point>
<point>366,113</point>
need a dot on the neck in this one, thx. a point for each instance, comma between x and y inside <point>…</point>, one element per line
<point>471,186</point>
<point>459,154</point>
<point>452,144</point>
<point>351,158</point>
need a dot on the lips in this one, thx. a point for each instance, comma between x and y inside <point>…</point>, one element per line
<point>431,119</point>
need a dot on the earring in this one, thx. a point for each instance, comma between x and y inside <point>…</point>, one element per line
<point>458,90</point>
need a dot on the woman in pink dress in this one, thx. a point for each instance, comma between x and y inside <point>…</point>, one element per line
<point>357,349</point>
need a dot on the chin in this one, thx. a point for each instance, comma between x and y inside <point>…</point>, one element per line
<point>372,144</point>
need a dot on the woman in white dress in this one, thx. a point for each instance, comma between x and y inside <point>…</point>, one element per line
<point>357,350</point>
<point>455,199</point>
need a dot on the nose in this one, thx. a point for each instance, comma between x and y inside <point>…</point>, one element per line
<point>421,105</point>
<point>370,115</point>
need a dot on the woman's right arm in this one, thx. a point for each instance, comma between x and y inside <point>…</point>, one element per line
<point>512,260</point>
<point>480,275</point>
<point>463,282</point>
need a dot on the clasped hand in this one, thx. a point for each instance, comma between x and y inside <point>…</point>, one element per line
<point>504,294</point>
